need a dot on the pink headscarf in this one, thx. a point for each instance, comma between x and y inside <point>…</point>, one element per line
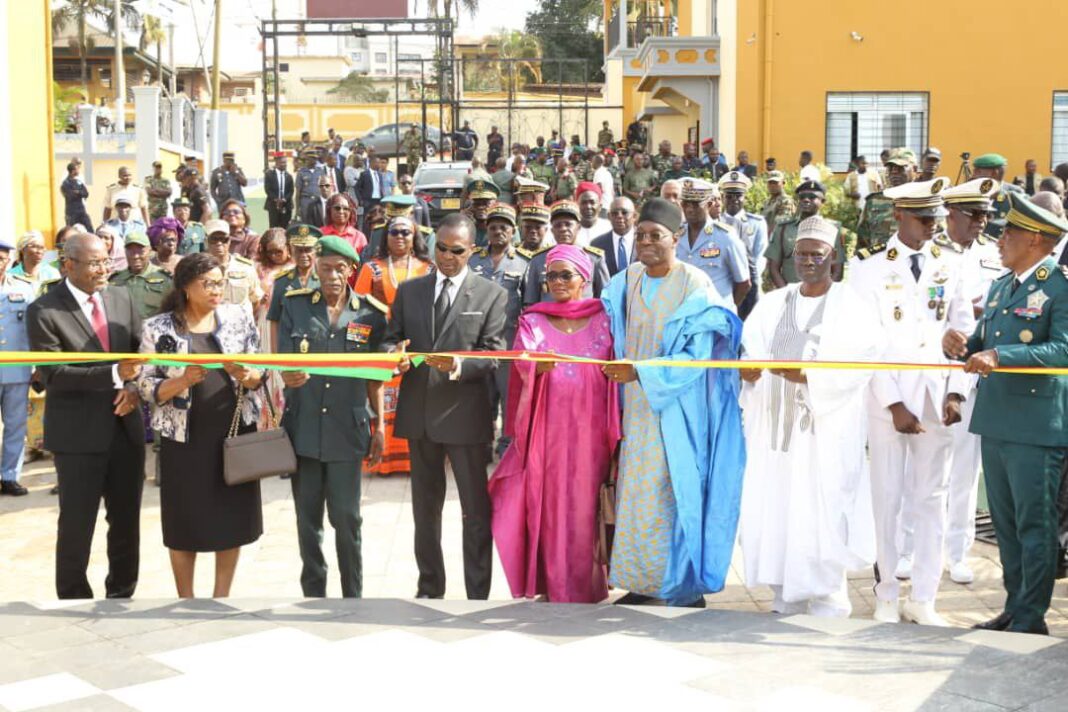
<point>575,255</point>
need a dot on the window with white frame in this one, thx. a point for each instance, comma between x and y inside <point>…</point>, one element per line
<point>1060,128</point>
<point>863,124</point>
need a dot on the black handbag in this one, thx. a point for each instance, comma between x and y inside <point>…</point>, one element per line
<point>254,456</point>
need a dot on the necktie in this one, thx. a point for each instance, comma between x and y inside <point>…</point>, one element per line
<point>442,306</point>
<point>916,266</point>
<point>281,185</point>
<point>100,322</point>
<point>1015,285</point>
<point>333,180</point>
<point>376,192</point>
<point>621,256</point>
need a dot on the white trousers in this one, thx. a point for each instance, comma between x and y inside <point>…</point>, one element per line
<point>833,605</point>
<point>916,467</point>
<point>963,486</point>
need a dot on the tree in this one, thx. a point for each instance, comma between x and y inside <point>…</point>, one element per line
<point>76,13</point>
<point>569,29</point>
<point>524,48</point>
<point>435,7</point>
<point>65,101</point>
<point>152,33</point>
<point>359,88</point>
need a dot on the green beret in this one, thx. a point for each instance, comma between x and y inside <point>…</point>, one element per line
<point>334,245</point>
<point>990,160</point>
<point>137,238</point>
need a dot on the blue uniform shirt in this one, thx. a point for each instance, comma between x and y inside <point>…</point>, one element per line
<point>16,293</point>
<point>719,253</point>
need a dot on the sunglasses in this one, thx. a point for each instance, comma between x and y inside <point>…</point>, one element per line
<point>564,276</point>
<point>458,251</point>
<point>400,233</point>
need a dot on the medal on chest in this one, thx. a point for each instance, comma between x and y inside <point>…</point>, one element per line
<point>898,314</point>
<point>358,333</point>
<point>304,345</point>
<point>709,253</point>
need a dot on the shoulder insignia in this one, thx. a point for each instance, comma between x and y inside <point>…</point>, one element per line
<point>936,251</point>
<point>484,252</point>
<point>984,239</point>
<point>942,240</point>
<point>866,252</point>
<point>316,296</point>
<point>23,278</point>
<point>541,250</point>
<point>299,292</point>
<point>155,280</point>
<point>289,274</point>
<point>1042,274</point>
<point>723,225</point>
<point>376,304</point>
<point>242,260</point>
<point>863,253</point>
<point>891,255</point>
<point>524,252</point>
<point>594,250</point>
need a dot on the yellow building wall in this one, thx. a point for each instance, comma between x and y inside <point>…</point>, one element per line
<point>29,86</point>
<point>981,96</point>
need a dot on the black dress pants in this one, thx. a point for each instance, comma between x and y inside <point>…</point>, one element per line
<point>469,464</point>
<point>118,477</point>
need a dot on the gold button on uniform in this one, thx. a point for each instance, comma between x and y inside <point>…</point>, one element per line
<point>327,385</point>
<point>324,410</point>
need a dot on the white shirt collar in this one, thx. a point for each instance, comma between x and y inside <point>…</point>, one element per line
<point>1031,270</point>
<point>454,281</point>
<point>81,297</point>
<point>626,237</point>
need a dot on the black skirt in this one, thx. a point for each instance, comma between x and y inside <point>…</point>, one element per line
<point>199,511</point>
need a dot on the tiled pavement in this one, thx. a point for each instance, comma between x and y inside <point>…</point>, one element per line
<point>258,649</point>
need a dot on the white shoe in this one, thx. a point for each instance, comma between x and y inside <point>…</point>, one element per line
<point>904,568</point>
<point>923,613</point>
<point>960,572</point>
<point>886,611</point>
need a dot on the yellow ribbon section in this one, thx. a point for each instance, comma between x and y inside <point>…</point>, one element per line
<point>357,359</point>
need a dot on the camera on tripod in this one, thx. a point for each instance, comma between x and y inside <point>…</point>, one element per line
<point>965,156</point>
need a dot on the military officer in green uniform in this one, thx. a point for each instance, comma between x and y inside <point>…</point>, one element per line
<point>661,162</point>
<point>780,206</point>
<point>992,165</point>
<point>501,262</point>
<point>483,195</point>
<point>605,137</point>
<point>1020,418</point>
<point>413,149</point>
<point>328,418</point>
<point>542,170</point>
<point>780,252</point>
<point>876,223</point>
<point>395,206</point>
<point>564,223</point>
<point>302,242</point>
<point>639,182</point>
<point>193,237</point>
<point>158,190</point>
<point>146,283</point>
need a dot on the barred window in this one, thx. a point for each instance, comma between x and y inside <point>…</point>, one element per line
<point>866,123</point>
<point>1060,128</point>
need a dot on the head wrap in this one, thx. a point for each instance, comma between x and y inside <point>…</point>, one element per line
<point>27,238</point>
<point>575,255</point>
<point>663,212</point>
<point>164,224</point>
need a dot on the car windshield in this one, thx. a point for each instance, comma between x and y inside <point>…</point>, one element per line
<point>442,176</point>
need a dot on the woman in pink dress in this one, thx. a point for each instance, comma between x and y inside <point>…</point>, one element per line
<point>545,490</point>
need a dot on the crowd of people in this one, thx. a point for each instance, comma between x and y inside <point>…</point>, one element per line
<point>630,471</point>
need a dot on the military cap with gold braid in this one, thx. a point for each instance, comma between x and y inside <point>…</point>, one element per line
<point>1026,215</point>
<point>301,235</point>
<point>502,211</point>
<point>978,193</point>
<point>477,189</point>
<point>564,207</point>
<point>526,186</point>
<point>922,198</point>
<point>736,181</point>
<point>696,190</point>
<point>398,206</point>
<point>534,213</point>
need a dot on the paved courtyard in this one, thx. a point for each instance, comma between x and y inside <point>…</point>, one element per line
<point>251,651</point>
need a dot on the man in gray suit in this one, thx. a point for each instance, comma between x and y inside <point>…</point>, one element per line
<point>444,404</point>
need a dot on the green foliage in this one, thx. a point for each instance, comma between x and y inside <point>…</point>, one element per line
<point>359,88</point>
<point>65,102</point>
<point>569,29</point>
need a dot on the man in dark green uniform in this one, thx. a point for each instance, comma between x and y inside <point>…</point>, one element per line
<point>992,165</point>
<point>327,418</point>
<point>640,182</point>
<point>146,283</point>
<point>604,136</point>
<point>302,241</point>
<point>780,252</point>
<point>483,195</point>
<point>193,237</point>
<point>541,170</point>
<point>876,224</point>
<point>1021,417</point>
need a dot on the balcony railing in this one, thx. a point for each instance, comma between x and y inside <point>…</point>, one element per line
<point>639,30</point>
<point>612,35</point>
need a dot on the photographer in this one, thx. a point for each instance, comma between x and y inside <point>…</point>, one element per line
<point>227,181</point>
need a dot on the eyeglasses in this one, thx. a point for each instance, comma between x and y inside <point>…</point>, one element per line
<point>235,211</point>
<point>402,233</point>
<point>93,264</point>
<point>564,276</point>
<point>976,214</point>
<point>653,237</point>
<point>212,285</point>
<point>814,257</point>
<point>454,250</point>
<point>806,195</point>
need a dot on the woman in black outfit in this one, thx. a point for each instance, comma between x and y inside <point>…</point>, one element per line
<point>194,409</point>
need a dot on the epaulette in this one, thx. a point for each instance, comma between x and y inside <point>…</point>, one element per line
<point>46,285</point>
<point>942,239</point>
<point>112,185</point>
<point>156,280</point>
<point>426,230</point>
<point>288,274</point>
<point>721,225</point>
<point>984,239</point>
<point>378,226</point>
<point>24,278</point>
<point>866,252</point>
<point>376,304</point>
<point>484,252</point>
<point>540,250</point>
<point>243,260</point>
<point>299,292</point>
<point>524,252</point>
<point>596,251</point>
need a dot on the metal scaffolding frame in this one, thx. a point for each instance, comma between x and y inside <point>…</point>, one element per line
<point>272,31</point>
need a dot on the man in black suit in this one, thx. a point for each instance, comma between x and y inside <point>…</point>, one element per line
<point>314,212</point>
<point>618,245</point>
<point>444,404</point>
<point>335,172</point>
<point>369,184</point>
<point>92,417</point>
<point>278,184</point>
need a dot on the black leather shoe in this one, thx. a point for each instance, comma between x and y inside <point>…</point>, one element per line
<point>54,490</point>
<point>634,599</point>
<point>696,603</point>
<point>1062,564</point>
<point>1039,628</point>
<point>1001,622</point>
<point>13,488</point>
